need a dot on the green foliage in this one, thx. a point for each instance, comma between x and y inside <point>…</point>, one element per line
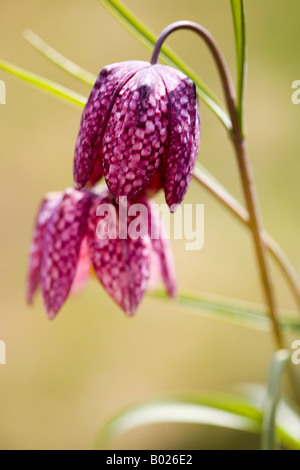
<point>238,12</point>
<point>44,84</point>
<point>213,409</point>
<point>279,364</point>
<point>57,58</point>
<point>242,313</point>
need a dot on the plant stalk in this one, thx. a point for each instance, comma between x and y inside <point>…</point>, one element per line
<point>283,262</point>
<point>243,160</point>
<point>257,230</point>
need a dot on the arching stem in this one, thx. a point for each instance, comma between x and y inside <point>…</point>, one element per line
<point>243,160</point>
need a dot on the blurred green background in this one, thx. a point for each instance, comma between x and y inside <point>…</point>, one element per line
<point>64,378</point>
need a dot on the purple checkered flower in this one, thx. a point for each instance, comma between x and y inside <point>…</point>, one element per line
<point>68,243</point>
<point>141,130</point>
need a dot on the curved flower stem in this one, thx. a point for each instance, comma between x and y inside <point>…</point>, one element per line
<point>219,59</point>
<point>286,267</point>
<point>243,160</point>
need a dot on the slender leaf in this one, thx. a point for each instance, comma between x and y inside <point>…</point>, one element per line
<point>58,59</point>
<point>241,313</point>
<point>215,409</point>
<point>279,363</point>
<point>44,84</point>
<point>140,31</point>
<point>239,21</point>
<point>208,409</point>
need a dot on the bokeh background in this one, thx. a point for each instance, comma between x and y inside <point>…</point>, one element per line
<point>64,378</point>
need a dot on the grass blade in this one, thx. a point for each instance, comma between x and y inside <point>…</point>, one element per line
<point>58,59</point>
<point>239,21</point>
<point>240,313</point>
<point>141,32</point>
<point>207,409</point>
<point>231,411</point>
<point>279,363</point>
<point>44,84</point>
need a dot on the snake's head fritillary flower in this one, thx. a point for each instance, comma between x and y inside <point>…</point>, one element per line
<point>56,244</point>
<point>68,242</point>
<point>140,129</point>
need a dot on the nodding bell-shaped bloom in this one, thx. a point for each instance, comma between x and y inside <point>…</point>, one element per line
<point>77,231</point>
<point>140,129</point>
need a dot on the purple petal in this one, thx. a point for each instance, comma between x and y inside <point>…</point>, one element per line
<point>122,265</point>
<point>35,253</point>
<point>155,184</point>
<point>96,174</point>
<point>136,136</point>
<point>155,276</point>
<point>94,118</point>
<point>184,129</point>
<point>162,248</point>
<point>62,240</point>
<point>83,270</point>
<point>196,143</point>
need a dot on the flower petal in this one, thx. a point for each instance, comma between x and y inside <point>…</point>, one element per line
<point>122,265</point>
<point>62,240</point>
<point>83,270</point>
<point>162,248</point>
<point>155,184</point>
<point>136,136</point>
<point>35,253</point>
<point>96,174</point>
<point>94,118</point>
<point>155,275</point>
<point>184,129</point>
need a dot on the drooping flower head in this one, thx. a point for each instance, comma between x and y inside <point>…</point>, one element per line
<point>78,230</point>
<point>140,129</point>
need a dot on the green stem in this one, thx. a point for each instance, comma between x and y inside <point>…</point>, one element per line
<point>238,13</point>
<point>278,367</point>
